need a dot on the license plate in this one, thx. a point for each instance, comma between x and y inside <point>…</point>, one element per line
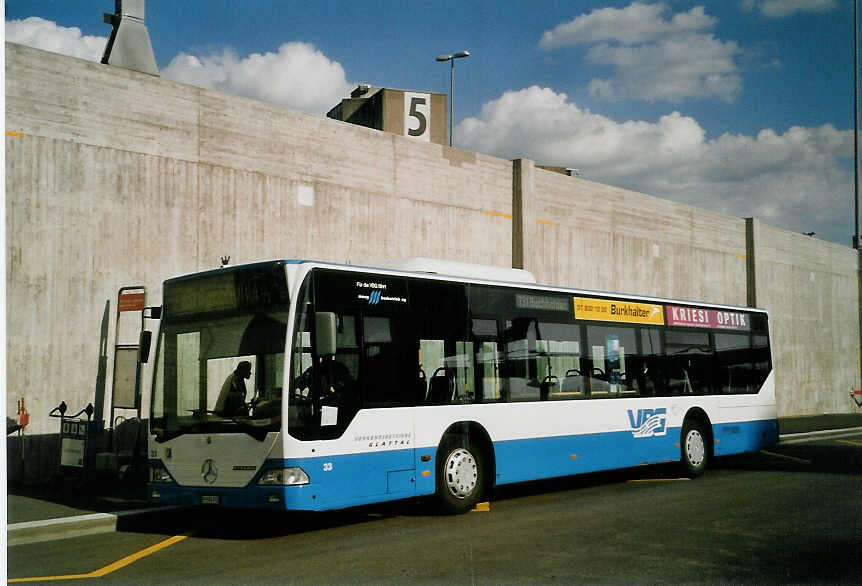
<point>209,499</point>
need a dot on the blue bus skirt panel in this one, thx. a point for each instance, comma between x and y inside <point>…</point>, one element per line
<point>359,479</point>
<point>524,460</point>
<point>352,479</point>
<point>744,436</point>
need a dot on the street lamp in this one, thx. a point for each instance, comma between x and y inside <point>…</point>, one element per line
<point>857,240</point>
<point>451,60</point>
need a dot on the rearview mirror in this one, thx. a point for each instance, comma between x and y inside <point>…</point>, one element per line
<point>144,346</point>
<point>325,326</point>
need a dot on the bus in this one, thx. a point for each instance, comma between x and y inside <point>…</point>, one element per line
<point>301,385</point>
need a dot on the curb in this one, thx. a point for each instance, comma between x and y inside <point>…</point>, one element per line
<point>793,438</point>
<point>66,527</point>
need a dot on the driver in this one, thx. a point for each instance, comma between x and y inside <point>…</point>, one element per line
<point>231,398</point>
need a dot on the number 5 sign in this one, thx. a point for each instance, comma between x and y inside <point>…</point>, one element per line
<point>417,116</point>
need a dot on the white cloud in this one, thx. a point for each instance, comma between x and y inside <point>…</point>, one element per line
<point>692,66</point>
<point>298,76</point>
<point>797,180</point>
<point>634,25</point>
<point>653,56</point>
<point>784,8</point>
<point>47,35</point>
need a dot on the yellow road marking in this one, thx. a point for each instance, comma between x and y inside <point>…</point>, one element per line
<point>499,215</point>
<point>15,134</point>
<point>850,442</point>
<point>793,458</point>
<point>545,222</point>
<point>130,559</point>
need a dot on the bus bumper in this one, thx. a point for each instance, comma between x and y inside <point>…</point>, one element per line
<point>250,497</point>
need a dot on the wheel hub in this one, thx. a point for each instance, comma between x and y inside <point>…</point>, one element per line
<point>695,448</point>
<point>461,473</point>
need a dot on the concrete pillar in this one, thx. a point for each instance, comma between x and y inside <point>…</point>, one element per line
<point>752,244</point>
<point>523,221</point>
<point>859,301</point>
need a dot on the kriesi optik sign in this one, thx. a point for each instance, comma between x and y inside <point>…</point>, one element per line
<point>694,317</point>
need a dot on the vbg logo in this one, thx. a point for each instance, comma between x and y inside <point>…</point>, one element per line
<point>648,422</point>
<point>374,298</point>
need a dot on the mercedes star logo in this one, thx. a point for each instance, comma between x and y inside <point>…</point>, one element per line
<point>209,471</point>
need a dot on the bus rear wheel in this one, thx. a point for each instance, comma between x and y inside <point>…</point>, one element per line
<point>460,474</point>
<point>695,452</point>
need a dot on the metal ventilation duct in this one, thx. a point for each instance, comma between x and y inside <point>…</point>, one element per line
<point>129,44</point>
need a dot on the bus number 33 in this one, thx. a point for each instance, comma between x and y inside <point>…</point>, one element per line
<point>327,466</point>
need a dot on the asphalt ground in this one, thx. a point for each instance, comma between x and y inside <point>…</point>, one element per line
<point>72,509</point>
<point>792,513</point>
<point>789,514</point>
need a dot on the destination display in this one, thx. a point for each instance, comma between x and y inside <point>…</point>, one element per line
<point>693,317</point>
<point>245,289</point>
<point>618,311</point>
<point>541,302</point>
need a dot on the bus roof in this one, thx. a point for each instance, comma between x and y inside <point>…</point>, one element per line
<point>469,273</point>
<point>485,274</point>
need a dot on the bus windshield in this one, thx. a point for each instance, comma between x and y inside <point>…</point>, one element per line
<point>220,358</point>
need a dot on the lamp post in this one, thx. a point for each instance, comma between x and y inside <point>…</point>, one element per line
<point>856,237</point>
<point>451,60</point>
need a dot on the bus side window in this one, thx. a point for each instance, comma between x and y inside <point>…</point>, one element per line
<point>346,344</point>
<point>521,370</point>
<point>612,370</point>
<point>762,360</point>
<point>388,375</point>
<point>689,362</point>
<point>439,322</point>
<point>560,361</point>
<point>489,360</point>
<point>737,368</point>
<point>431,364</point>
<point>450,379</point>
<point>649,371</point>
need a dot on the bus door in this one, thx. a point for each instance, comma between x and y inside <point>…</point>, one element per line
<point>442,349</point>
<point>366,382</point>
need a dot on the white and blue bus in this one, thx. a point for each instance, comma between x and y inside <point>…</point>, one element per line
<point>303,385</point>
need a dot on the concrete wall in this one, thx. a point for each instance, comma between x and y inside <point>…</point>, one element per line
<point>116,178</point>
<point>813,292</point>
<point>584,234</point>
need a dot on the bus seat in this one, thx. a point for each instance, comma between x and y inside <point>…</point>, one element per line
<point>421,388</point>
<point>573,386</point>
<point>439,388</point>
<point>599,388</point>
<point>545,387</point>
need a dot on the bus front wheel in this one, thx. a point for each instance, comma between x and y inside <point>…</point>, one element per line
<point>460,474</point>
<point>695,452</point>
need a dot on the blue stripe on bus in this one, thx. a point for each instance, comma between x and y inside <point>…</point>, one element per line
<point>358,479</point>
<point>519,461</point>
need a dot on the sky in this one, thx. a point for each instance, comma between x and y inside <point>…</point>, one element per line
<point>744,107</point>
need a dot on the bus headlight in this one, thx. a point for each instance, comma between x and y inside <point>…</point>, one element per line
<point>159,473</point>
<point>284,477</point>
